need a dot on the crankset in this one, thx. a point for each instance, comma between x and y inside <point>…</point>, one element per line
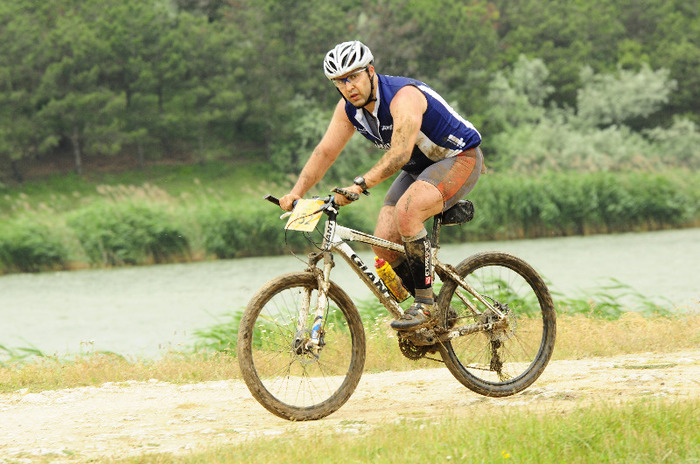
<point>412,351</point>
<point>415,345</point>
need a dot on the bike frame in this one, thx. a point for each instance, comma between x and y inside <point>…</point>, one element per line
<point>335,238</point>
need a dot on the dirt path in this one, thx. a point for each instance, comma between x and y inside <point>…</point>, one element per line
<point>116,420</point>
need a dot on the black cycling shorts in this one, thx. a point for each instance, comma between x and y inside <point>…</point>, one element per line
<point>454,177</point>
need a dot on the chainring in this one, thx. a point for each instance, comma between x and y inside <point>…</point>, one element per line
<point>412,351</point>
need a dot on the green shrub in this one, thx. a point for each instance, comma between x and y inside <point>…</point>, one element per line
<point>131,225</point>
<point>30,247</point>
<point>559,204</point>
<point>252,229</point>
<point>239,230</point>
<point>126,233</point>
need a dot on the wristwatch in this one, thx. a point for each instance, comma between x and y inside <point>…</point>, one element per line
<point>359,180</point>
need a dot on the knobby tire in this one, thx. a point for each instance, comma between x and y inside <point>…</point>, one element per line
<point>505,361</point>
<point>291,384</point>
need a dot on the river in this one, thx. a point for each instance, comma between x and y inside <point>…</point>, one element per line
<point>145,311</point>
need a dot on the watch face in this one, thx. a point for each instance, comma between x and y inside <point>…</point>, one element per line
<point>359,180</point>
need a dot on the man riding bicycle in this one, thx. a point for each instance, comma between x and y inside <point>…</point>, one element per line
<point>435,148</point>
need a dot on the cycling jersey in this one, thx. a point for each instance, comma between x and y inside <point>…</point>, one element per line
<point>443,132</point>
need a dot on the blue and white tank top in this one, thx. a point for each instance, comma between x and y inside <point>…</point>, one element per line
<point>443,132</point>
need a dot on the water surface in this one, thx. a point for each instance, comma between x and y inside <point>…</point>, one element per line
<point>143,311</point>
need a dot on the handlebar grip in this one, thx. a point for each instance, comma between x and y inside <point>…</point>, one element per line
<point>352,196</point>
<point>276,200</point>
<point>272,199</point>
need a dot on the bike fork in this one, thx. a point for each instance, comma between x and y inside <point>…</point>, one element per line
<point>313,342</point>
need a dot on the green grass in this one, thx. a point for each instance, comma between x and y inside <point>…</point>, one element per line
<point>611,302</point>
<point>210,211</point>
<point>646,431</point>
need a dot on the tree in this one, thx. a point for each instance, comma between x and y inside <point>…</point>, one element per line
<point>283,45</point>
<point>595,134</point>
<point>21,62</point>
<point>455,43</point>
<point>563,33</point>
<point>623,97</point>
<point>72,104</point>
<point>676,46</point>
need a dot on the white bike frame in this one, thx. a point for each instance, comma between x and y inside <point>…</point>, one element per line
<point>335,239</point>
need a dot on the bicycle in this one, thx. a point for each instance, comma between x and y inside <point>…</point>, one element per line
<point>301,341</point>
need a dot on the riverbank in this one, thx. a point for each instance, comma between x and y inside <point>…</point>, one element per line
<point>204,213</point>
<point>578,337</point>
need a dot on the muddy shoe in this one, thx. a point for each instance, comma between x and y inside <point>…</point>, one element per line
<point>418,315</point>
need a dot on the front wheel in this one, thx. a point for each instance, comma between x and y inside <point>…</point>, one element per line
<point>289,377</point>
<point>505,356</point>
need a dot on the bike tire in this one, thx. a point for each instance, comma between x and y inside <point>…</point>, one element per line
<point>503,361</point>
<point>293,385</point>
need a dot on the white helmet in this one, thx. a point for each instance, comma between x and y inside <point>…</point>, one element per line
<point>346,57</point>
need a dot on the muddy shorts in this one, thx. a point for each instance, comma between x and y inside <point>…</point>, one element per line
<point>454,178</point>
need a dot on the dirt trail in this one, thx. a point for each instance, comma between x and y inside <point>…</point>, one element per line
<point>130,418</point>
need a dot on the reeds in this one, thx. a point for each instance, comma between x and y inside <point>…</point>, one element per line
<point>124,224</point>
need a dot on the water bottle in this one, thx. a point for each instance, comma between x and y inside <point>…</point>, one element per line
<point>391,280</point>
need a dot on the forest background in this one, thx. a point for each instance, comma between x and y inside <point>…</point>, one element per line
<point>589,111</point>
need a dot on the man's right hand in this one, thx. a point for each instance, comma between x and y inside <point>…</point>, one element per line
<point>287,201</point>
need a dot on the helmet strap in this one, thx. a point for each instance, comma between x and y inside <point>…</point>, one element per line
<point>371,98</point>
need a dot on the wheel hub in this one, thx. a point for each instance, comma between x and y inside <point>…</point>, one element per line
<point>499,329</point>
<point>305,351</point>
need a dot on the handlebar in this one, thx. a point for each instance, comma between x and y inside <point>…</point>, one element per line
<point>272,199</point>
<point>352,196</point>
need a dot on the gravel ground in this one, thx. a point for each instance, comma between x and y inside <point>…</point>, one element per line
<point>132,418</point>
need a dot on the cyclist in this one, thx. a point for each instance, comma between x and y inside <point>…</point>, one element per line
<point>435,148</point>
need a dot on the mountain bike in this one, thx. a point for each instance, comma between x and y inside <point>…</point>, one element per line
<point>301,341</point>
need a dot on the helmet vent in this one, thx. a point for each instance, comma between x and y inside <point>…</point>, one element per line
<point>346,57</point>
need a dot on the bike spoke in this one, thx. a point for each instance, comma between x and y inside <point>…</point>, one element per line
<point>507,353</point>
<point>290,373</point>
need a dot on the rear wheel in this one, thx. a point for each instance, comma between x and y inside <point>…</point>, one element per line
<point>511,354</point>
<point>288,376</point>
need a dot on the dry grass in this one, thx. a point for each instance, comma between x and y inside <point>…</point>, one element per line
<point>96,369</point>
<point>581,337</point>
<point>577,337</point>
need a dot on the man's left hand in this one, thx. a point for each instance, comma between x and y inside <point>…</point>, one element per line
<point>341,200</point>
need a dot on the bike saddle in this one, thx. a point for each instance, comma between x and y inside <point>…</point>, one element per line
<point>460,213</point>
